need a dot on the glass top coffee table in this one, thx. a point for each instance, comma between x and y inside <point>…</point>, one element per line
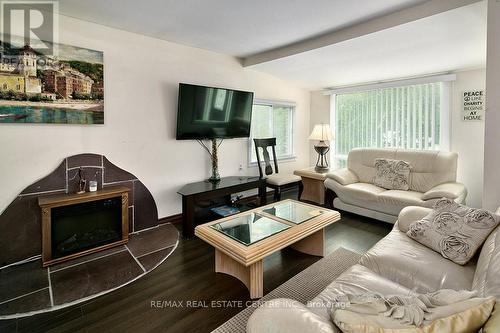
<point>243,240</point>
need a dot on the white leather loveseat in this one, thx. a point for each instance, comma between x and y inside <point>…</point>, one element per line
<point>433,176</point>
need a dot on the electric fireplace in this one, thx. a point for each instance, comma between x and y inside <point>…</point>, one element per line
<point>74,225</point>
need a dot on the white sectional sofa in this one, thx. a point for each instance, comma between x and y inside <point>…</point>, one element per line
<point>433,176</point>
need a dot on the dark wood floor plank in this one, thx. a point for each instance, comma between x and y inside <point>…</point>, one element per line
<point>8,326</point>
<point>52,321</point>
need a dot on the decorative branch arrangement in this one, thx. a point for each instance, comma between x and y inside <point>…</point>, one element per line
<point>215,158</point>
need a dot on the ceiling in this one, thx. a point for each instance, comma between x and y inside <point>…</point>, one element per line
<point>452,40</point>
<point>234,27</point>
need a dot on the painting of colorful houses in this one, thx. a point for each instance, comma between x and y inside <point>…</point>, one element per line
<point>66,88</point>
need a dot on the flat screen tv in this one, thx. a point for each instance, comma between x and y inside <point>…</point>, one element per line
<point>213,113</point>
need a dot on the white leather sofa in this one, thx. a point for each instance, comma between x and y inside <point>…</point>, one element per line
<point>432,177</point>
<point>396,265</point>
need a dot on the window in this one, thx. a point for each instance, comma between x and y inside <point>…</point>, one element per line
<point>273,119</point>
<point>410,117</point>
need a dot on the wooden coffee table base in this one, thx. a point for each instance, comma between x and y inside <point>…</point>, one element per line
<point>313,244</point>
<point>253,276</point>
<point>244,261</point>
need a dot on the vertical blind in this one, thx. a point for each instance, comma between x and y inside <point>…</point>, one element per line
<point>403,117</point>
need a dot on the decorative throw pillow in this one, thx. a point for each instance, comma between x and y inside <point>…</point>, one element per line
<point>392,174</point>
<point>454,230</point>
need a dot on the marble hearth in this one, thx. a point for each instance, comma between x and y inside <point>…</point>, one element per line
<point>26,288</point>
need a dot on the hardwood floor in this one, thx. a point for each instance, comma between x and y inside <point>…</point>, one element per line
<point>188,275</point>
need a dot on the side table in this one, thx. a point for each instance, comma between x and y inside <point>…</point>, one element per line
<point>314,189</point>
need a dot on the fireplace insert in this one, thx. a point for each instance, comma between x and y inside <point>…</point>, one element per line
<point>84,226</point>
<point>77,224</point>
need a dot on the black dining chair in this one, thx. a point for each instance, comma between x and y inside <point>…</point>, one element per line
<point>275,180</point>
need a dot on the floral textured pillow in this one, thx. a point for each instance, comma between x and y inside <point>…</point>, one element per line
<point>454,230</point>
<point>392,174</point>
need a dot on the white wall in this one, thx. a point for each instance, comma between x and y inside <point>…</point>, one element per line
<point>491,197</point>
<point>141,81</point>
<point>320,114</point>
<point>467,138</point>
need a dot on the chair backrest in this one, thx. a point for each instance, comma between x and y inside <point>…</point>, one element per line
<point>429,167</point>
<point>264,144</point>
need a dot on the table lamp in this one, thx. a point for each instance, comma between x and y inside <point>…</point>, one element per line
<point>322,133</point>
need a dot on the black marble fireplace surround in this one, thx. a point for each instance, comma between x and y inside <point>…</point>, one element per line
<point>26,288</point>
<point>20,223</point>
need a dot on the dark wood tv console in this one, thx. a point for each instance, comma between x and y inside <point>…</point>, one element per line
<point>198,197</point>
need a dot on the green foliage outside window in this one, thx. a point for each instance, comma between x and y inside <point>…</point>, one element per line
<point>273,120</point>
<point>401,117</point>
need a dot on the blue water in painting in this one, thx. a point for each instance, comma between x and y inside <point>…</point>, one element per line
<point>49,115</point>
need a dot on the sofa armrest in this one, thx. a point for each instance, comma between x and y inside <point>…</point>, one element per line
<point>284,315</point>
<point>343,176</point>
<point>446,190</point>
<point>410,214</point>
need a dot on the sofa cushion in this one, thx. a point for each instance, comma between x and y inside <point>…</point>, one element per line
<point>429,168</point>
<point>486,278</point>
<point>357,279</point>
<point>493,323</point>
<point>382,316</point>
<point>392,174</point>
<point>454,230</point>
<point>398,197</point>
<point>284,315</point>
<point>362,162</point>
<point>396,200</point>
<point>376,198</point>
<point>364,191</point>
<point>399,258</point>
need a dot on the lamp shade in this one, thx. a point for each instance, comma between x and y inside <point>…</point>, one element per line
<point>321,132</point>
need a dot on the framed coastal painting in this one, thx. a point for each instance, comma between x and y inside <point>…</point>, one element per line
<point>64,88</point>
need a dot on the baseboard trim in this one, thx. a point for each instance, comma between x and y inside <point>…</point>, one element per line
<point>173,219</point>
